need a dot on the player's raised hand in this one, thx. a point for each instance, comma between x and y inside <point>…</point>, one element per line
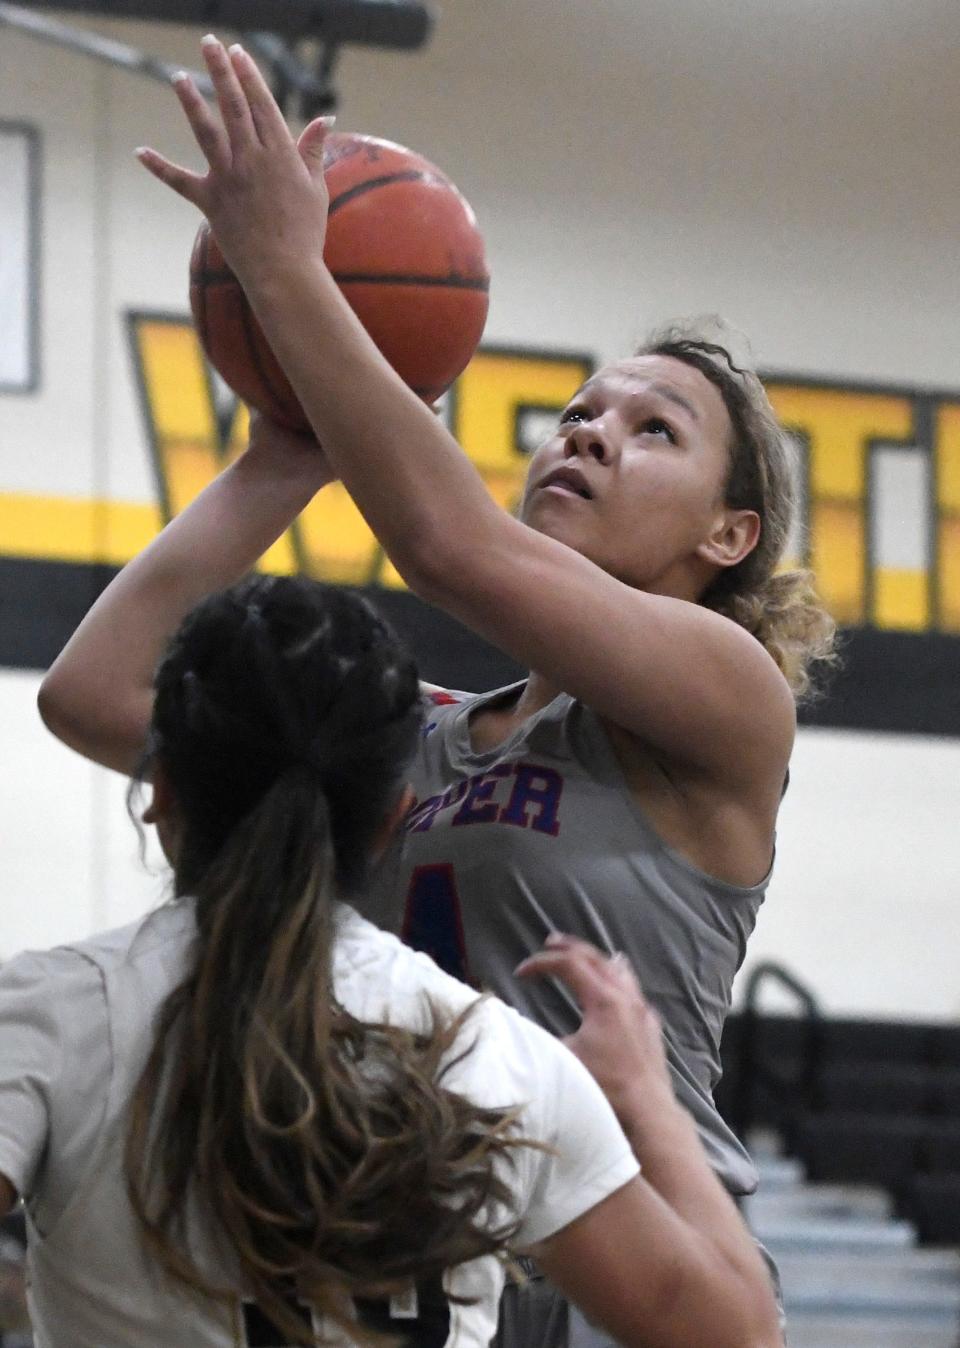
<point>269,437</point>
<point>263,193</point>
<point>620,1040</point>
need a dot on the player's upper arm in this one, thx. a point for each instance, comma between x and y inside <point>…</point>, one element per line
<point>636,1269</point>
<point>684,679</point>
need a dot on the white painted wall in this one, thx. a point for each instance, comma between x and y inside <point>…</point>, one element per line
<point>865,901</point>
<point>792,166</point>
<point>864,905</point>
<point>69,862</point>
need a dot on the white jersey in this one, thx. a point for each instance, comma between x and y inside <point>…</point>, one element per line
<point>76,1026</point>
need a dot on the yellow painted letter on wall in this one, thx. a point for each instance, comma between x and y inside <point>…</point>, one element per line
<point>838,426</point>
<point>947,459</point>
<point>184,430</point>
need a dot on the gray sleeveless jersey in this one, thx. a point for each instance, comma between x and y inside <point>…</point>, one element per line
<point>540,834</point>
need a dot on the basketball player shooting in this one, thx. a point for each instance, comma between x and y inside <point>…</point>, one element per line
<point>637,772</point>
<point>253,1119</point>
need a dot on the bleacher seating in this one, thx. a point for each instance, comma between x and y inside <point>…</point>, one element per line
<point>856,1101</point>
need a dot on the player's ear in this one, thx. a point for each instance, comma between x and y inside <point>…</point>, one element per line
<point>734,538</point>
<point>163,812</point>
<point>162,801</point>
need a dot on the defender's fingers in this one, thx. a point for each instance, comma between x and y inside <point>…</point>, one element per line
<point>624,972</point>
<point>186,184</point>
<point>269,121</point>
<point>231,98</point>
<point>585,949</point>
<point>580,976</point>
<point>207,131</point>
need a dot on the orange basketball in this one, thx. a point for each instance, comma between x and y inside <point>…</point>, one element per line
<point>404,247</point>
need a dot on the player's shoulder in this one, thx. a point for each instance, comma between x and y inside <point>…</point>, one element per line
<point>501,1058</point>
<point>43,974</point>
<point>434,695</point>
<point>378,977</point>
<point>527,1054</point>
<point>67,972</point>
<point>169,927</point>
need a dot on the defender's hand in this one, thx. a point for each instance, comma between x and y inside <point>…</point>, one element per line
<point>620,1040</point>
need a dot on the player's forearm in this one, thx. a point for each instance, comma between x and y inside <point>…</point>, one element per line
<point>97,696</point>
<point>415,487</point>
<point>665,1141</point>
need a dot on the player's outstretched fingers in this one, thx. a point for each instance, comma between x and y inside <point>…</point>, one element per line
<point>269,121</point>
<point>184,182</point>
<point>232,101</point>
<point>207,130</point>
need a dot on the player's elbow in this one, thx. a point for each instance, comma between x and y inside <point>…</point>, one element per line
<point>66,716</point>
<point>752,1318</point>
<point>719,1306</point>
<point>763,1326</point>
<point>54,705</point>
<point>107,730</point>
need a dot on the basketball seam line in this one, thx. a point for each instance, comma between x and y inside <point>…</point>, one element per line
<point>370,184</point>
<point>454,280</point>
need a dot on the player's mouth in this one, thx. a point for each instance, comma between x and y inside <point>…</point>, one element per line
<point>569,480</point>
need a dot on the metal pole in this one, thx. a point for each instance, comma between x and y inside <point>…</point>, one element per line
<point>95,45</point>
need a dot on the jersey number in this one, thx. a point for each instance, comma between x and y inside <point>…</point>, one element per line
<point>433,920</point>
<point>421,1319</point>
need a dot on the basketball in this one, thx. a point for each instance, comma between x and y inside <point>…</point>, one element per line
<point>403,245</point>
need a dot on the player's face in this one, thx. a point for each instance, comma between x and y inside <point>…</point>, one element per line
<point>634,475</point>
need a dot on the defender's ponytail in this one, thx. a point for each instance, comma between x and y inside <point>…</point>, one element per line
<point>327,1152</point>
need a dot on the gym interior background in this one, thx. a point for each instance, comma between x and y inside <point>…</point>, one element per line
<point>791,167</point>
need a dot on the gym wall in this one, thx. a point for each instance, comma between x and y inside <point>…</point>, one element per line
<point>625,169</point>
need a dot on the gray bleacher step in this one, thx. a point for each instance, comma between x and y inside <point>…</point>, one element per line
<point>831,1331</point>
<point>778,1172</point>
<point>832,1237</point>
<point>833,1201</point>
<point>922,1285</point>
<point>935,1266</point>
<point>931,1262</point>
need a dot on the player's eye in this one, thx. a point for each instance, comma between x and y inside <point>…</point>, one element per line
<point>657,426</point>
<point>574,415</point>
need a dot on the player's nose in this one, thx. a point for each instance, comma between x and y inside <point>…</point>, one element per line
<point>590,440</point>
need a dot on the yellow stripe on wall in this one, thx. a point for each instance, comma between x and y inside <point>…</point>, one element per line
<point>67,529</point>
<point>901,599</point>
<point>101,533</point>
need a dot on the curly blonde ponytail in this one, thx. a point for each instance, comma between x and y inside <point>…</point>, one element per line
<point>787,618</point>
<point>780,608</point>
